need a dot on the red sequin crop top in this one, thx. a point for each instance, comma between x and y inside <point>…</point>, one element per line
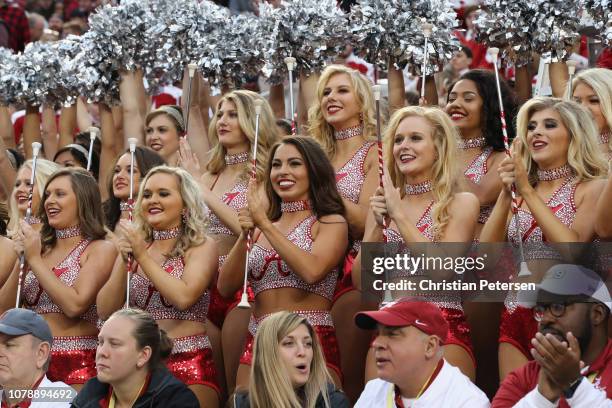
<point>268,271</point>
<point>145,296</point>
<point>350,177</point>
<point>235,198</point>
<point>67,271</point>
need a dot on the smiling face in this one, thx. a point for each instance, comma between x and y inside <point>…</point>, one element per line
<point>117,354</point>
<point>398,351</point>
<point>464,108</point>
<point>21,192</point>
<point>121,177</point>
<point>162,136</point>
<point>547,139</point>
<point>162,203</point>
<point>21,358</point>
<point>289,174</point>
<point>339,102</point>
<point>586,96</point>
<point>60,203</point>
<point>414,150</point>
<point>295,350</point>
<point>228,128</point>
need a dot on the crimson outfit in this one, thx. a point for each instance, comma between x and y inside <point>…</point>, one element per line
<point>449,303</point>
<point>517,325</point>
<point>349,180</point>
<point>520,386</point>
<point>235,198</point>
<point>475,171</point>
<point>191,358</point>
<point>268,271</point>
<point>73,358</point>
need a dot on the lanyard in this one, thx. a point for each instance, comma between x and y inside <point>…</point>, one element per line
<point>394,398</point>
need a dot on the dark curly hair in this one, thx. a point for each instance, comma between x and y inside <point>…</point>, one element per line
<point>490,123</point>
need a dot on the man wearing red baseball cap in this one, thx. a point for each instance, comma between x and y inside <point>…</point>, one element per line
<point>410,360</point>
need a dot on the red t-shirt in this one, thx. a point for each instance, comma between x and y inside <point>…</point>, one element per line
<point>522,381</point>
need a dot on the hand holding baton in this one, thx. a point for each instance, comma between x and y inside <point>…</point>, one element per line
<point>244,299</point>
<point>35,151</point>
<point>524,270</point>
<point>132,143</point>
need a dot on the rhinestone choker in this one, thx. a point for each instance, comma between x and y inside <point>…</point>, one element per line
<point>124,206</point>
<point>167,234</point>
<point>68,232</point>
<point>295,206</point>
<point>236,158</point>
<point>349,132</point>
<point>471,143</point>
<point>562,172</point>
<point>604,138</point>
<point>32,220</point>
<point>419,188</point>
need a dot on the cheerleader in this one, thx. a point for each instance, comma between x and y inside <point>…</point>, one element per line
<point>224,191</point>
<point>298,245</point>
<point>592,88</point>
<point>342,120</point>
<point>174,264</point>
<point>163,129</point>
<point>68,262</point>
<point>420,153</point>
<point>474,110</point>
<point>557,169</point>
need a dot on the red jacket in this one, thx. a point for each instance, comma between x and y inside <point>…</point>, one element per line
<point>520,382</point>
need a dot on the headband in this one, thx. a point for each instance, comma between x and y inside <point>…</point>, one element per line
<point>168,109</point>
<point>78,147</point>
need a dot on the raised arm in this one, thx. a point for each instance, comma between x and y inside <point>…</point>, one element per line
<point>49,131</point>
<point>397,95</point>
<point>7,172</point>
<point>31,130</point>
<point>67,125</point>
<point>7,133</point>
<point>133,121</point>
<point>109,149</point>
<point>197,134</point>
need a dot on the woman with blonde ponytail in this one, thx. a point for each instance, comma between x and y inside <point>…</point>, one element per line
<point>289,368</point>
<point>419,204</point>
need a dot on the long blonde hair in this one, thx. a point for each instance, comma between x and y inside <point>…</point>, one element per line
<point>583,154</point>
<point>600,80</point>
<point>444,170</point>
<point>245,106</point>
<point>270,385</point>
<point>322,131</point>
<point>44,170</point>
<point>193,223</point>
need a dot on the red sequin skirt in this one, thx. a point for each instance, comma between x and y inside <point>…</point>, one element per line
<point>73,359</point>
<point>322,324</point>
<point>518,327</point>
<point>191,361</point>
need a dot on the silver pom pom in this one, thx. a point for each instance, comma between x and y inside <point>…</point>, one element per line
<point>385,29</point>
<point>10,84</point>
<point>601,14</point>
<point>312,31</point>
<point>546,27</point>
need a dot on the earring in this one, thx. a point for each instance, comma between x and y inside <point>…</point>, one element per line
<point>360,117</point>
<point>185,215</point>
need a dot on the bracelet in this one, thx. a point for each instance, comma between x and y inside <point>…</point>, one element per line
<point>569,391</point>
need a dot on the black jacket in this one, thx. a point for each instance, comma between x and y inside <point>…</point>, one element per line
<point>337,399</point>
<point>163,391</point>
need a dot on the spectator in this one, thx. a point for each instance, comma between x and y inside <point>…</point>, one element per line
<point>25,353</point>
<point>289,368</point>
<point>479,50</point>
<point>409,360</point>
<point>37,26</point>
<point>130,369</point>
<point>17,23</point>
<point>458,65</point>
<point>56,23</point>
<point>572,309</point>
